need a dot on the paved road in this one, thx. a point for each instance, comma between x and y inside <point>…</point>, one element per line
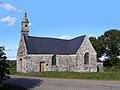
<point>32,83</point>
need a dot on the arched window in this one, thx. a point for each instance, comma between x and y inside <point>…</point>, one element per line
<point>53,60</point>
<point>86,58</point>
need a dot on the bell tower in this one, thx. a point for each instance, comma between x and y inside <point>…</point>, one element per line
<point>25,26</point>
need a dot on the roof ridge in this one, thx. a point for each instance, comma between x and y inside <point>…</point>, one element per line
<point>78,37</point>
<point>49,38</point>
<point>48,45</point>
<point>57,38</point>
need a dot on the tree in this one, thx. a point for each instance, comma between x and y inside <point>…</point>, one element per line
<point>111,42</point>
<point>4,72</point>
<point>11,63</point>
<point>115,61</point>
<point>108,44</point>
<point>97,46</point>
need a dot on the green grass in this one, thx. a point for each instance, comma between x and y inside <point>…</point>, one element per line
<point>108,74</point>
<point>11,87</point>
<point>12,70</point>
<point>112,69</point>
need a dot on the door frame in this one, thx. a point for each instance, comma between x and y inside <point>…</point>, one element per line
<point>40,66</point>
<point>20,62</point>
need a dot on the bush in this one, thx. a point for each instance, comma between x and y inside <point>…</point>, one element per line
<point>113,61</point>
<point>11,63</point>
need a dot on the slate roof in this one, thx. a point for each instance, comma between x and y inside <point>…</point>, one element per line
<point>42,45</point>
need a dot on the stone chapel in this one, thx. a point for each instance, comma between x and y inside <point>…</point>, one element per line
<point>39,54</point>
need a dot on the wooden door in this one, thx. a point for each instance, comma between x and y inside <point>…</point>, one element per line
<point>42,66</point>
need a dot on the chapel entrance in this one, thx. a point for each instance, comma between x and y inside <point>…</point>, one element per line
<point>42,66</point>
<point>20,61</point>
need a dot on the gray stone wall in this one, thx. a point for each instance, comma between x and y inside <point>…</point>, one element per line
<point>66,62</point>
<point>75,62</point>
<point>86,47</point>
<point>63,63</point>
<point>99,66</point>
<point>33,62</point>
<point>21,55</point>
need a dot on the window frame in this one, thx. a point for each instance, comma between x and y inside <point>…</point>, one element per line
<point>53,60</point>
<point>86,58</point>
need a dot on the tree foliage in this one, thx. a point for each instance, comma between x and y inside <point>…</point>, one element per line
<point>4,72</point>
<point>108,44</point>
<point>111,42</point>
<point>97,46</point>
<point>11,63</point>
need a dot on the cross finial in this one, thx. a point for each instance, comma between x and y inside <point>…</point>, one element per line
<point>25,15</point>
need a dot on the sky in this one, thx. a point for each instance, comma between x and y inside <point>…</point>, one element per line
<point>56,18</point>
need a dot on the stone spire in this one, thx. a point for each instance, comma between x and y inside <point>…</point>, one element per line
<point>25,26</point>
<point>25,18</point>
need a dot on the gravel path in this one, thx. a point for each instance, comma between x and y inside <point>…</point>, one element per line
<point>34,83</point>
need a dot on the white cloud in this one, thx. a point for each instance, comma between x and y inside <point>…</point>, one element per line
<point>93,35</point>
<point>1,45</point>
<point>11,57</point>
<point>30,24</point>
<point>67,37</point>
<point>118,56</point>
<point>9,20</point>
<point>10,49</point>
<point>9,8</point>
<point>11,53</point>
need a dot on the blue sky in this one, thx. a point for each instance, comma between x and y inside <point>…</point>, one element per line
<point>56,18</point>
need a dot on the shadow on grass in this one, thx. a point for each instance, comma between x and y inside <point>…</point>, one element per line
<point>27,83</point>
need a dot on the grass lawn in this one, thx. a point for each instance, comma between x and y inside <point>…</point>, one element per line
<point>108,74</point>
<point>11,87</point>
